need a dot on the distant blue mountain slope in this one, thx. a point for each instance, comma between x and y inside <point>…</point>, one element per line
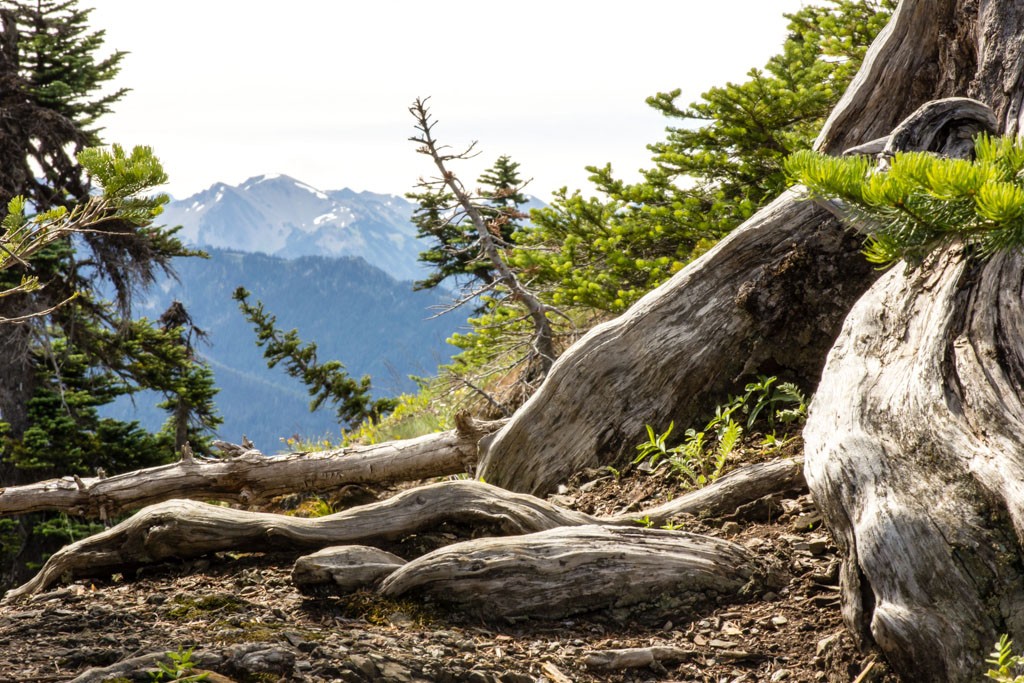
<point>356,313</point>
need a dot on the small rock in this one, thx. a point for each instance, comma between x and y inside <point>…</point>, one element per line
<point>779,620</point>
<point>780,675</point>
<point>514,677</point>
<point>817,545</point>
<point>827,644</point>
<point>731,528</point>
<point>364,665</point>
<point>805,522</point>
<point>393,671</point>
<point>722,644</point>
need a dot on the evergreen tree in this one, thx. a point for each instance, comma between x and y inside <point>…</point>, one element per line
<point>325,381</point>
<point>605,252</point>
<point>57,370</point>
<point>456,254</point>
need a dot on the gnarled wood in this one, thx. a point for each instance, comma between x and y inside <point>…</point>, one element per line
<point>183,529</point>
<point>728,493</point>
<point>253,478</point>
<point>770,296</point>
<point>915,455</point>
<point>179,529</point>
<point>567,571</point>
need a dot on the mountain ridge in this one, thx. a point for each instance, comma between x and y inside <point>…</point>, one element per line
<point>279,215</point>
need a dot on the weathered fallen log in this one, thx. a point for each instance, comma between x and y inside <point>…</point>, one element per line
<point>571,570</point>
<point>182,529</point>
<point>252,477</point>
<point>725,495</point>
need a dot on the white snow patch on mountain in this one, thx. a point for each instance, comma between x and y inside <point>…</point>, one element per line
<point>307,188</point>
<point>325,217</point>
<point>282,216</point>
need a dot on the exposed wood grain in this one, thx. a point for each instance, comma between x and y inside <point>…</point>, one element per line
<point>181,529</point>
<point>565,571</point>
<point>915,456</point>
<point>771,294</point>
<point>725,495</point>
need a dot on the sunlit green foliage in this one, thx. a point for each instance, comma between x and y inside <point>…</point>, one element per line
<point>922,201</point>
<point>716,167</point>
<point>703,454</point>
<point>1005,665</point>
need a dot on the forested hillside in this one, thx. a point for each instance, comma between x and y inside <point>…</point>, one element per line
<point>357,313</point>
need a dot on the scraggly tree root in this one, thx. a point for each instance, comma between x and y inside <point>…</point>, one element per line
<point>185,529</point>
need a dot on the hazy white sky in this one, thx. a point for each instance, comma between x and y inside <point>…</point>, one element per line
<point>319,89</point>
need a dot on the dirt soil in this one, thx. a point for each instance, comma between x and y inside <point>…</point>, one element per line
<point>247,622</point>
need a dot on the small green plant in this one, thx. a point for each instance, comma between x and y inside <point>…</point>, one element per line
<point>179,668</point>
<point>645,521</point>
<point>672,525</point>
<point>702,456</point>
<point>1005,663</point>
<point>772,442</point>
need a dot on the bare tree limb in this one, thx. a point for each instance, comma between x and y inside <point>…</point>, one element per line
<point>253,477</point>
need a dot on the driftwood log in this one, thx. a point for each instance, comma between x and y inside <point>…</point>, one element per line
<point>252,477</point>
<point>571,570</point>
<point>182,529</point>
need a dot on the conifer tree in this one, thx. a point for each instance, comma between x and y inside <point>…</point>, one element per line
<point>456,254</point>
<point>605,252</point>
<point>328,381</point>
<point>58,369</point>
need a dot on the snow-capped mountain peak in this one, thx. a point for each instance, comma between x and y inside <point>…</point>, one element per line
<point>281,216</point>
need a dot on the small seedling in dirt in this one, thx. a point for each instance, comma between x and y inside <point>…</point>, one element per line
<point>179,668</point>
<point>645,521</point>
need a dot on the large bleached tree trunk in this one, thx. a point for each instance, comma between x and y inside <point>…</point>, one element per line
<point>915,454</point>
<point>770,297</point>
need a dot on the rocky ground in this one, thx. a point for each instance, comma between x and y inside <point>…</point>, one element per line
<point>247,622</point>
